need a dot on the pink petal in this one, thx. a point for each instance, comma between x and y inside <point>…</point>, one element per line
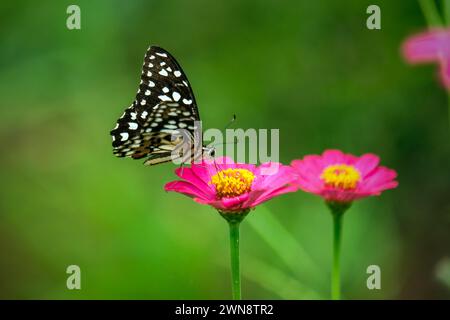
<point>380,179</point>
<point>249,167</point>
<point>445,72</point>
<point>189,175</point>
<point>331,157</point>
<point>309,171</point>
<point>223,163</point>
<point>367,163</point>
<point>235,202</point>
<point>272,185</point>
<point>339,195</point>
<point>350,159</point>
<point>187,189</point>
<point>426,47</point>
<point>218,164</point>
<point>227,204</point>
<point>310,165</point>
<point>265,196</point>
<point>283,175</point>
<point>309,186</point>
<point>202,172</point>
<point>252,197</point>
<point>217,204</point>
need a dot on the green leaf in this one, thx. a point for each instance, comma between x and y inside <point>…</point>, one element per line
<point>284,244</point>
<point>275,280</point>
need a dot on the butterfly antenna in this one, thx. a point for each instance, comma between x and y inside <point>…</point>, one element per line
<point>233,119</point>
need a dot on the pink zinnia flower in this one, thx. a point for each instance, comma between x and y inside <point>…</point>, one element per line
<point>233,187</point>
<point>342,178</point>
<point>430,46</point>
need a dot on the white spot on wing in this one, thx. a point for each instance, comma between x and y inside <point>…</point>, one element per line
<point>177,73</point>
<point>164,98</point>
<point>176,96</point>
<point>170,126</point>
<point>124,136</point>
<point>132,125</point>
<point>163,73</point>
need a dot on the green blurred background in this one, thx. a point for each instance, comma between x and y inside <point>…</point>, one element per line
<point>310,68</point>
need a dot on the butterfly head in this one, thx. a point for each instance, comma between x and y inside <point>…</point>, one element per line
<point>209,152</point>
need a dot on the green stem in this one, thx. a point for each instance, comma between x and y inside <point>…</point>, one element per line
<point>337,210</point>
<point>235,266</point>
<point>448,103</point>
<point>431,13</point>
<point>446,6</point>
<point>336,272</point>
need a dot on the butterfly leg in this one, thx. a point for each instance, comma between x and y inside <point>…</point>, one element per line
<point>182,169</point>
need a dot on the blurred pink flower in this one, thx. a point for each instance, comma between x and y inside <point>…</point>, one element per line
<point>342,178</point>
<point>430,46</point>
<point>233,187</point>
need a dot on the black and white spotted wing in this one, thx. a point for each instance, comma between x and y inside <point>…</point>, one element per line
<point>164,103</point>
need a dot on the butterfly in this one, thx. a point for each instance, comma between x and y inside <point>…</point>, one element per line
<point>164,107</point>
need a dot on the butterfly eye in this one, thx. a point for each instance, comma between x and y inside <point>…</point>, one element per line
<point>212,153</point>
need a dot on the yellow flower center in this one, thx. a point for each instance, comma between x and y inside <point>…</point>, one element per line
<point>341,176</point>
<point>232,182</point>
